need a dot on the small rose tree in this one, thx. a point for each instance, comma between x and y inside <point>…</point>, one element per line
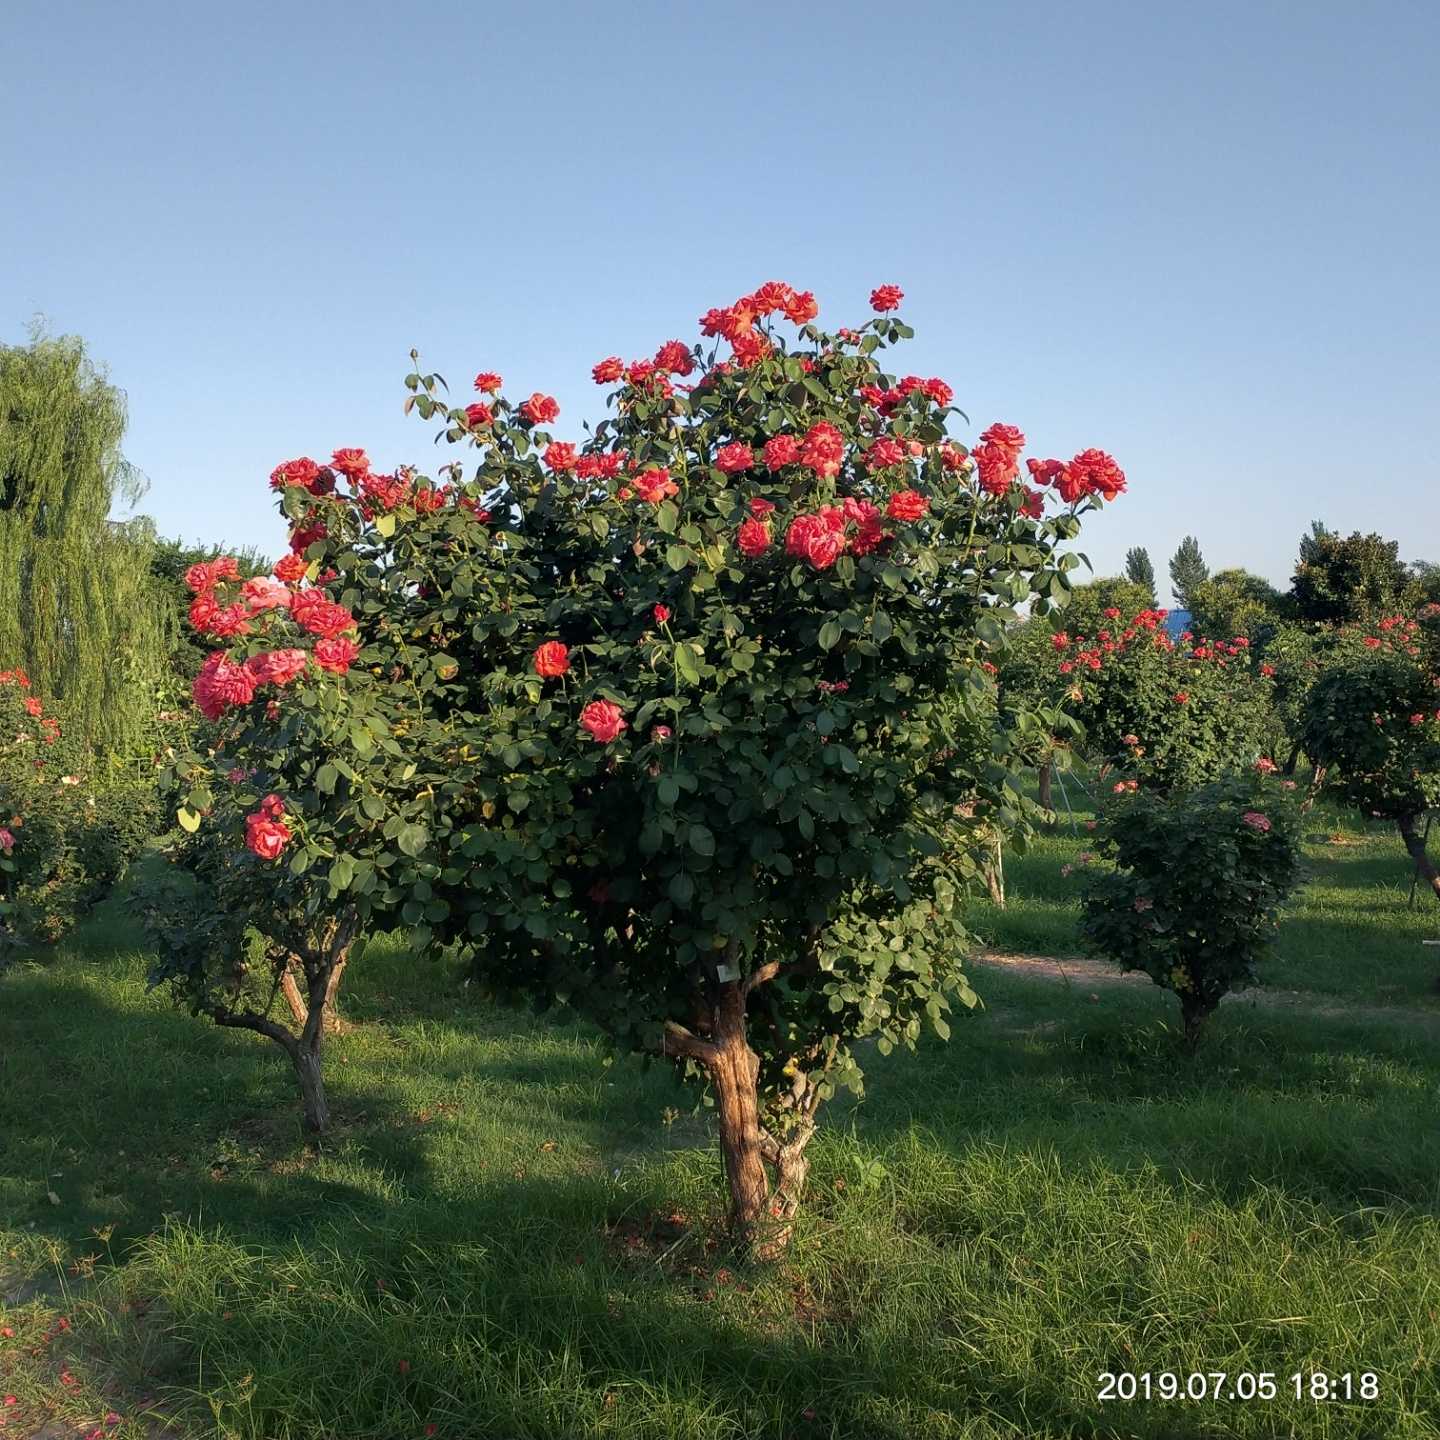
<point>303,813</point>
<point>1196,885</point>
<point>706,691</point>
<point>1173,715</point>
<point>1372,719</point>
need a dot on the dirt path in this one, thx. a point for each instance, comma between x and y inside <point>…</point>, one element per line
<point>1082,971</point>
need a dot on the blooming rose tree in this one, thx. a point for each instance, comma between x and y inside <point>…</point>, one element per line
<point>692,703</point>
<point>304,814</point>
<point>1173,715</point>
<point>1198,879</point>
<point>1372,718</point>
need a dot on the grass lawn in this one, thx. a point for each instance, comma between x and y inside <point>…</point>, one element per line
<point>507,1238</point>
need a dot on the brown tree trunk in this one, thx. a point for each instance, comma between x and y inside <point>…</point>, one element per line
<point>1415,844</point>
<point>734,1070</point>
<point>335,1023</point>
<point>1047,774</point>
<point>1292,762</point>
<point>1195,1010</point>
<point>314,1106</point>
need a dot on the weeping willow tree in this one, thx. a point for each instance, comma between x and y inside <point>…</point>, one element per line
<point>79,608</point>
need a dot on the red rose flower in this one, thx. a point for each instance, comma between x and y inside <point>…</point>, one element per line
<point>305,536</point>
<point>753,538</point>
<point>761,507</point>
<point>885,453</point>
<point>1097,474</point>
<point>551,659</point>
<point>907,505</point>
<point>560,456</point>
<point>264,593</point>
<point>221,684</point>
<point>335,653</point>
<point>603,719</point>
<point>818,538</point>
<point>294,472</point>
<point>801,307</point>
<point>291,567</point>
<point>781,450</point>
<point>1033,503</point>
<point>316,612</point>
<point>674,356</point>
<point>477,415</point>
<point>276,667</point>
<point>1004,437</point>
<point>661,614</point>
<point>996,468</point>
<point>886,297</point>
<point>352,463</point>
<point>488,382</point>
<point>1182,697</point>
<point>266,837</point>
<point>541,409</point>
<point>823,449</point>
<point>734,457</point>
<point>607,372</point>
<point>655,485</point>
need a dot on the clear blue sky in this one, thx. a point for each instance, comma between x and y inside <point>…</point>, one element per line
<point>1202,237</point>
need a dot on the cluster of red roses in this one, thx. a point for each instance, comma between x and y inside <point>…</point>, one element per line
<point>1397,632</point>
<point>222,683</point>
<point>266,833</point>
<point>34,708</point>
<point>1091,472</point>
<point>371,492</point>
<point>603,720</point>
<point>1147,627</point>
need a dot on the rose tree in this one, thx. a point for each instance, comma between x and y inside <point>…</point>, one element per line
<point>1196,886</point>
<point>711,695</point>
<point>1373,717</point>
<point>304,814</point>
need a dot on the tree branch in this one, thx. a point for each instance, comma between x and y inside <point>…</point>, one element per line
<point>768,971</point>
<point>687,1044</point>
<point>260,1024</point>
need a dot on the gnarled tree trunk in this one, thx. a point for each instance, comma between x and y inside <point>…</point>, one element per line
<point>1415,844</point>
<point>761,1214</point>
<point>335,1023</point>
<point>322,968</point>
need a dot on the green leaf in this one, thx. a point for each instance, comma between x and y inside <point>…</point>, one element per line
<point>385,525</point>
<point>880,627</point>
<point>668,789</point>
<point>325,778</point>
<point>685,664</point>
<point>830,633</point>
<point>677,557</point>
<point>702,842</point>
<point>188,819</point>
<point>411,838</point>
<point>342,872</point>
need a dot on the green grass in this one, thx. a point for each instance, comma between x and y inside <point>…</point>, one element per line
<point>508,1238</point>
<point>1349,932</point>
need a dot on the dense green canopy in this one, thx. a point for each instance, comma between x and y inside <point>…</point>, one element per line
<point>78,606</point>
